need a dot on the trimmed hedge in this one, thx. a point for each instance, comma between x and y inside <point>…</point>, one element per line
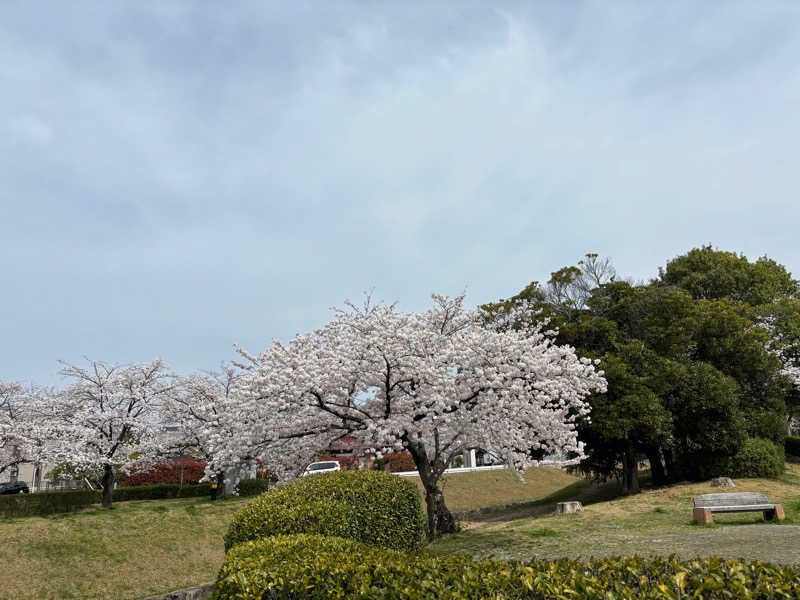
<point>792,445</point>
<point>170,472</point>
<point>155,492</point>
<point>320,568</point>
<point>46,503</point>
<point>367,506</point>
<point>252,487</point>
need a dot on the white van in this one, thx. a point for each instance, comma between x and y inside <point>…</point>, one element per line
<point>323,466</point>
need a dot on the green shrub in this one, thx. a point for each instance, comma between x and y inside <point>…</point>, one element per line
<point>253,487</point>
<point>367,506</point>
<point>757,458</point>
<point>320,568</point>
<point>46,503</point>
<point>792,445</point>
<point>164,490</point>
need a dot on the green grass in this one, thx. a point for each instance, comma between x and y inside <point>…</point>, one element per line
<point>134,550</point>
<point>141,548</point>
<point>543,533</point>
<point>655,522</point>
<point>477,489</point>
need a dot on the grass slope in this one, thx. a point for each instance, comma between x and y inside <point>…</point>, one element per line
<point>149,547</point>
<point>477,489</point>
<point>134,550</point>
<point>143,548</point>
<point>655,522</point>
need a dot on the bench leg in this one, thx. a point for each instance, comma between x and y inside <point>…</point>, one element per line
<point>775,513</point>
<point>702,515</point>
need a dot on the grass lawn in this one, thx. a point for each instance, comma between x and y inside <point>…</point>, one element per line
<point>134,550</point>
<point>143,548</point>
<point>476,489</point>
<point>655,522</point>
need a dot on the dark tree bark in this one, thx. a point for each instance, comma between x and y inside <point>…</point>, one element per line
<point>108,485</point>
<point>657,467</point>
<point>440,519</point>
<point>669,463</point>
<point>630,472</point>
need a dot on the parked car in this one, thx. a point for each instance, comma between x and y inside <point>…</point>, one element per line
<point>324,466</point>
<point>14,487</point>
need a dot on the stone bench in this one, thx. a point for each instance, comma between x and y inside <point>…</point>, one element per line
<point>707,504</point>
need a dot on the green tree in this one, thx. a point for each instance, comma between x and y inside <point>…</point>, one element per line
<point>709,274</point>
<point>690,373</point>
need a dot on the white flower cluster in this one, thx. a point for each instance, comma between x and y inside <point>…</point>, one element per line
<point>433,383</point>
<point>790,368</point>
<point>106,416</point>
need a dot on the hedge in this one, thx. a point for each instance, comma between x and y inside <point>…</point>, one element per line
<point>792,445</point>
<point>193,472</point>
<point>311,567</point>
<point>367,506</point>
<point>252,487</point>
<point>166,490</point>
<point>46,503</point>
<point>397,463</point>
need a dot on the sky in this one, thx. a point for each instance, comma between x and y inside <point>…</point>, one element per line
<point>177,178</point>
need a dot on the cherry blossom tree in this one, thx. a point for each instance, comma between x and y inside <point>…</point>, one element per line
<point>200,414</point>
<point>106,417</point>
<point>24,438</point>
<point>433,384</point>
<point>12,422</point>
<point>791,370</point>
<point>786,350</point>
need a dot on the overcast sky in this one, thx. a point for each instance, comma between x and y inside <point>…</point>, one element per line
<point>177,178</point>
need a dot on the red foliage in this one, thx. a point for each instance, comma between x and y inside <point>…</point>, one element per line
<point>262,473</point>
<point>400,461</point>
<point>193,471</point>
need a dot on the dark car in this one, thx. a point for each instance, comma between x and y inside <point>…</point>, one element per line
<point>14,487</point>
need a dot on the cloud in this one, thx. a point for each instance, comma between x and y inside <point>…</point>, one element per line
<point>179,178</point>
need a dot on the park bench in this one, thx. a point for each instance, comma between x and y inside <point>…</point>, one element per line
<point>707,504</point>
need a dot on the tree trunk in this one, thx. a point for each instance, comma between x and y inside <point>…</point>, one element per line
<point>440,520</point>
<point>630,474</point>
<point>669,463</point>
<point>657,467</point>
<point>108,485</point>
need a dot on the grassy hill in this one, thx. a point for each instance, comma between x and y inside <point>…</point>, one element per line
<point>476,489</point>
<point>655,522</point>
<point>143,548</point>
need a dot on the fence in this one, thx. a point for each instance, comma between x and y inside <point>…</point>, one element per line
<point>544,463</point>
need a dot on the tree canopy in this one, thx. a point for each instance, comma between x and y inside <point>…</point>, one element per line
<point>691,371</point>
